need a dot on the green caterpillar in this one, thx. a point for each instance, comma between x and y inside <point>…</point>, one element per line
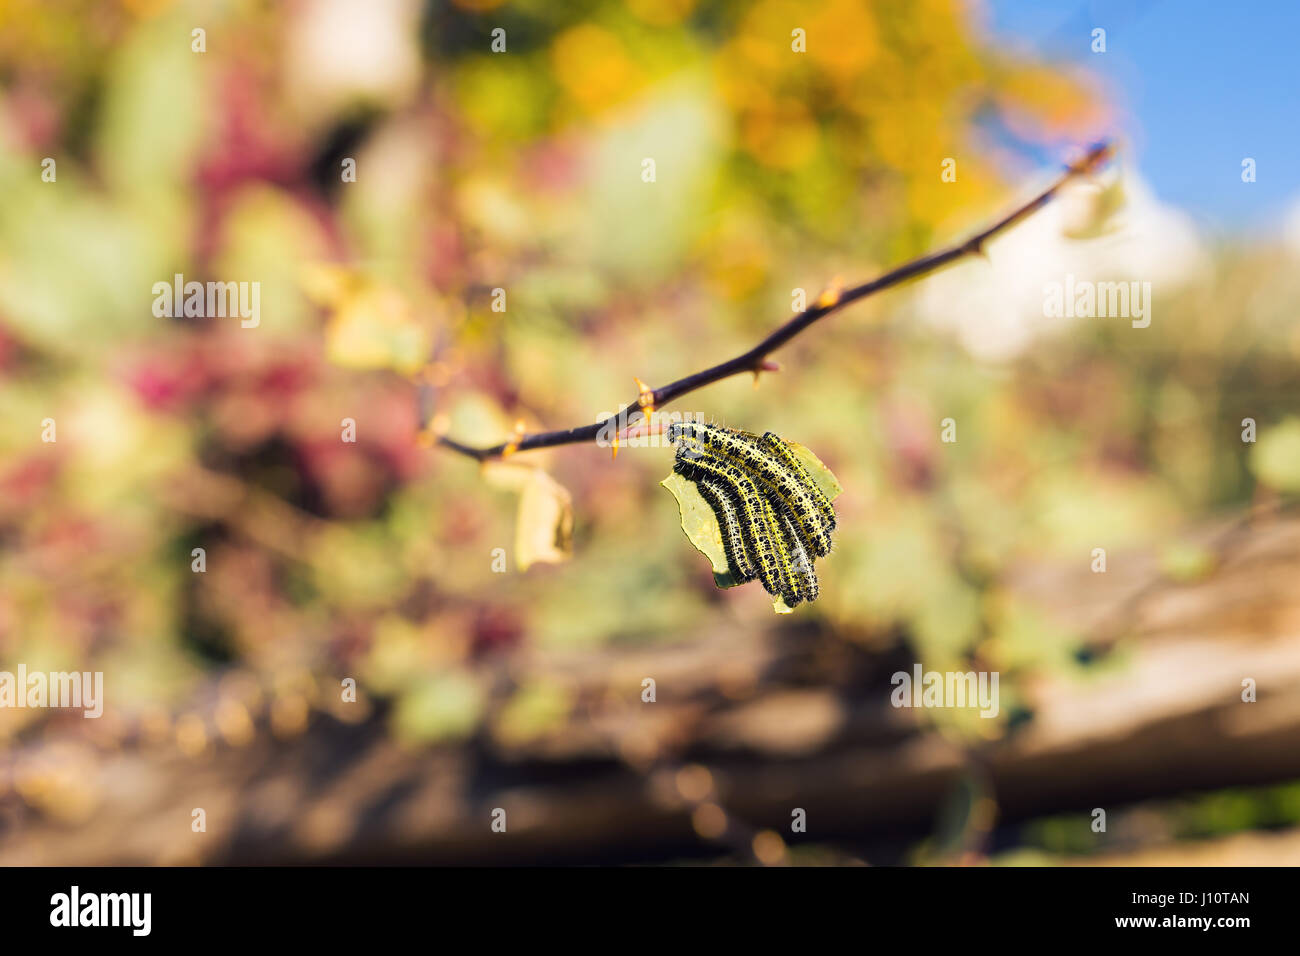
<point>801,563</point>
<point>782,451</point>
<point>769,462</point>
<point>724,504</point>
<point>755,527</point>
<point>773,518</point>
<point>791,585</point>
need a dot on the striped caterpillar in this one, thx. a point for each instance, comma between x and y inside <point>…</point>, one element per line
<point>739,551</point>
<point>771,464</point>
<point>773,517</point>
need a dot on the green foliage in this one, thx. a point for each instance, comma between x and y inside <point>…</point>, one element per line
<point>523,173</point>
<point>1275,459</point>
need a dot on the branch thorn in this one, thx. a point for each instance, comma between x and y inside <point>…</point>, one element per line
<point>429,435</point>
<point>832,293</point>
<point>645,397</point>
<point>520,430</point>
<point>766,365</point>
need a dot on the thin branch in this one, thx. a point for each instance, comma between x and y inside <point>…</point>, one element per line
<point>754,360</point>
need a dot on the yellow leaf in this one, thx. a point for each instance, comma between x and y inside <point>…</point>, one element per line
<point>371,325</point>
<point>1275,459</point>
<point>701,527</point>
<point>544,527</point>
<point>1090,209</point>
<point>326,284</point>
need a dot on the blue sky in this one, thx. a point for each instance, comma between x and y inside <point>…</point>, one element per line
<point>1198,85</point>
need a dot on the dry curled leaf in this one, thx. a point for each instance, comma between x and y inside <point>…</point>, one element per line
<point>544,522</point>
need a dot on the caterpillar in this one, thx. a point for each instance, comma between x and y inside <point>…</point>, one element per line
<point>782,451</point>
<point>768,548</point>
<point>769,462</point>
<point>754,525</point>
<point>801,564</point>
<point>773,518</point>
<point>789,581</point>
<point>722,501</point>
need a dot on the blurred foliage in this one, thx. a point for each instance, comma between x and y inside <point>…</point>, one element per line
<point>1201,816</point>
<point>521,172</point>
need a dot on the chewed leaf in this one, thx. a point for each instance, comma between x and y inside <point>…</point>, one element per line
<point>826,481</point>
<point>700,523</point>
<point>701,527</point>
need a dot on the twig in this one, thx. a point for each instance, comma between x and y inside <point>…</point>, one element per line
<point>754,360</point>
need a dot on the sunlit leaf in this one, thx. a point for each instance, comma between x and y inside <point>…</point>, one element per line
<point>1089,209</point>
<point>701,525</point>
<point>822,476</point>
<point>544,522</point>
<point>371,325</point>
<point>442,707</point>
<point>1275,459</point>
<point>544,528</point>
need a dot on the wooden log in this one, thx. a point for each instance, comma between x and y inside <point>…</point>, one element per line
<point>780,720</point>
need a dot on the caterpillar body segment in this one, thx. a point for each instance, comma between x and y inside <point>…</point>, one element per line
<point>778,447</point>
<point>724,504</point>
<point>757,532</point>
<point>791,584</point>
<point>769,550</point>
<point>725,441</point>
<point>801,562</point>
<point>794,497</point>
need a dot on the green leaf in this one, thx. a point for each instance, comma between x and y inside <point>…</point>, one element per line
<point>441,707</point>
<point>1275,459</point>
<point>701,527</point>
<point>823,477</point>
<point>1186,562</point>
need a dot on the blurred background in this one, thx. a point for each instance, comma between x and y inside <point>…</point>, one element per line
<point>498,258</point>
